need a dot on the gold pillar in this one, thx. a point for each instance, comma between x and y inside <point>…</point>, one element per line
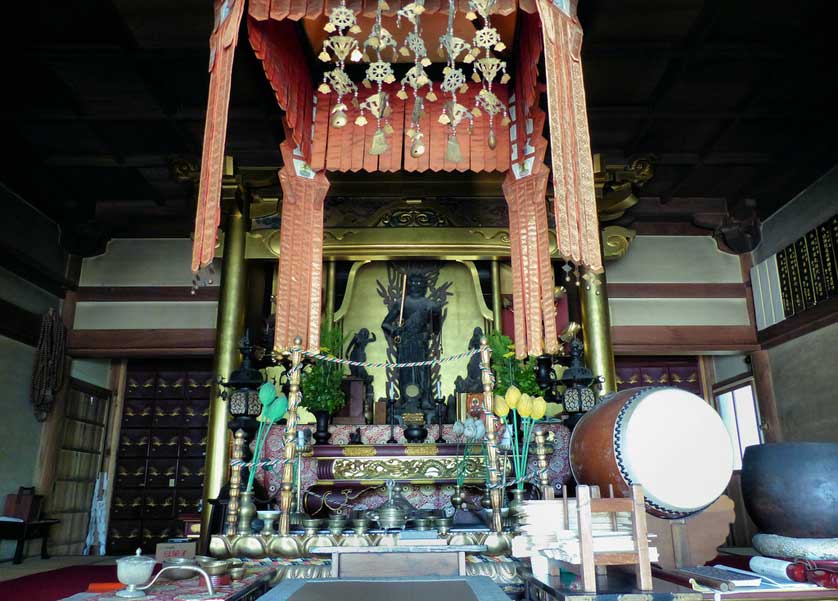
<point>495,492</point>
<point>290,440</point>
<point>497,304</point>
<point>596,326</point>
<point>228,332</point>
<point>331,274</point>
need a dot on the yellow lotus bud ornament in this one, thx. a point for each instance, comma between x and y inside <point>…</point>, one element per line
<point>500,408</point>
<point>539,408</point>
<point>525,405</point>
<point>513,395</point>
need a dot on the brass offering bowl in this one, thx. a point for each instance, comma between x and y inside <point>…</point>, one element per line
<point>443,525</point>
<point>214,567</point>
<point>177,563</point>
<point>361,525</point>
<point>337,524</point>
<point>422,523</point>
<point>237,573</point>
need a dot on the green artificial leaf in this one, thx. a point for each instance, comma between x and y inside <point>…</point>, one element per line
<point>508,370</point>
<point>321,382</point>
<point>277,409</point>
<point>267,393</point>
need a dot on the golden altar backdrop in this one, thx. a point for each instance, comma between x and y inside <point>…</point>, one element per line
<point>362,307</point>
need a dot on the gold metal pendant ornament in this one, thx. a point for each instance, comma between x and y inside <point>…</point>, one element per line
<point>452,151</point>
<point>379,143</point>
<point>417,149</point>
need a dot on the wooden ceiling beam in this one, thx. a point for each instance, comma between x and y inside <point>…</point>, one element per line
<point>677,66</point>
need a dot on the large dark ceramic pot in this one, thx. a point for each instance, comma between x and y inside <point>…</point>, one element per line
<point>791,488</point>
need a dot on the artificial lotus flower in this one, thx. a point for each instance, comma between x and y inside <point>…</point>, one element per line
<point>513,396</point>
<point>525,405</point>
<point>479,429</point>
<point>539,408</point>
<point>470,429</point>
<point>459,428</point>
<point>500,408</point>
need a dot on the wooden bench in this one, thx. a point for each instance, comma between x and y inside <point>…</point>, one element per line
<point>24,531</point>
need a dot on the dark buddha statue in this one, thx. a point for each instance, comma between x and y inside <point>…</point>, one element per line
<point>412,329</point>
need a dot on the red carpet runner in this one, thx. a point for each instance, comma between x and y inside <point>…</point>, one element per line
<point>55,584</point>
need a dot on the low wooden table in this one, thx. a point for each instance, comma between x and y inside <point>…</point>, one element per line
<point>468,588</point>
<point>24,531</point>
<point>399,561</point>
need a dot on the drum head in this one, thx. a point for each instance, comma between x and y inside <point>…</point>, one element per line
<point>676,446</point>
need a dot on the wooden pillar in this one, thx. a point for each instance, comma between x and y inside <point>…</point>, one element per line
<point>228,332</point>
<point>596,326</point>
<point>771,425</point>
<point>497,303</point>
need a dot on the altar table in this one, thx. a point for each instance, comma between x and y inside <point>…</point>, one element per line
<point>431,491</point>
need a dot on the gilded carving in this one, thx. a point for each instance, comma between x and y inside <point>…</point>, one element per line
<point>616,241</point>
<point>421,450</point>
<point>359,451</point>
<point>404,468</point>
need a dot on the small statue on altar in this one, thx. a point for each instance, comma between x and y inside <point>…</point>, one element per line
<point>357,351</point>
<point>411,325</point>
<point>473,382</point>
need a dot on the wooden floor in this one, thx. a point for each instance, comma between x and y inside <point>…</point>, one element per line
<point>36,565</point>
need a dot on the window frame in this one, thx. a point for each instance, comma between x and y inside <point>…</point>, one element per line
<point>731,385</point>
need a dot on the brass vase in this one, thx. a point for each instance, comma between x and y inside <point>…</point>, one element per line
<point>247,509</point>
<point>516,507</point>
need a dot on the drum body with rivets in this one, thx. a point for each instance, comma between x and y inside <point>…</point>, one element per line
<point>668,440</point>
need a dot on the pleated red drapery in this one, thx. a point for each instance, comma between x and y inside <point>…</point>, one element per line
<point>577,227</point>
<point>300,270</point>
<point>225,34</point>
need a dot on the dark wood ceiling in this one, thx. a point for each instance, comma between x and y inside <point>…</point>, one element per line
<point>734,99</point>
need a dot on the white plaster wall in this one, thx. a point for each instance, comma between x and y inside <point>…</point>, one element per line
<point>803,374</point>
<point>678,311</point>
<point>145,315</point>
<point>142,262</point>
<point>726,367</point>
<point>18,291</point>
<point>20,433</point>
<point>92,371</point>
<point>674,259</point>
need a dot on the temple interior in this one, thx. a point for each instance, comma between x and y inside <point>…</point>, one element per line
<point>420,299</point>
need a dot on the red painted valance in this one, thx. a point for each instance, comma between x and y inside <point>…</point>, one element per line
<point>295,10</point>
<point>347,148</point>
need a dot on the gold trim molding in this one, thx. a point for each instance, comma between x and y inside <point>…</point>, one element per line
<point>390,243</point>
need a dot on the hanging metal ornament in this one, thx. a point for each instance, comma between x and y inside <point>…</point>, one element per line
<point>453,81</point>
<point>338,48</point>
<point>416,77</point>
<point>379,72</point>
<point>486,69</point>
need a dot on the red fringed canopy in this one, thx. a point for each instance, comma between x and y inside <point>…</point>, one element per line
<point>543,25</point>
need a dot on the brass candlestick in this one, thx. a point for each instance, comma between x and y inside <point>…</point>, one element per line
<point>235,484</point>
<point>290,439</point>
<point>491,445</point>
<point>541,452</point>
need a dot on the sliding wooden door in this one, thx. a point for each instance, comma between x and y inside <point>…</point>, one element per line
<point>82,442</point>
